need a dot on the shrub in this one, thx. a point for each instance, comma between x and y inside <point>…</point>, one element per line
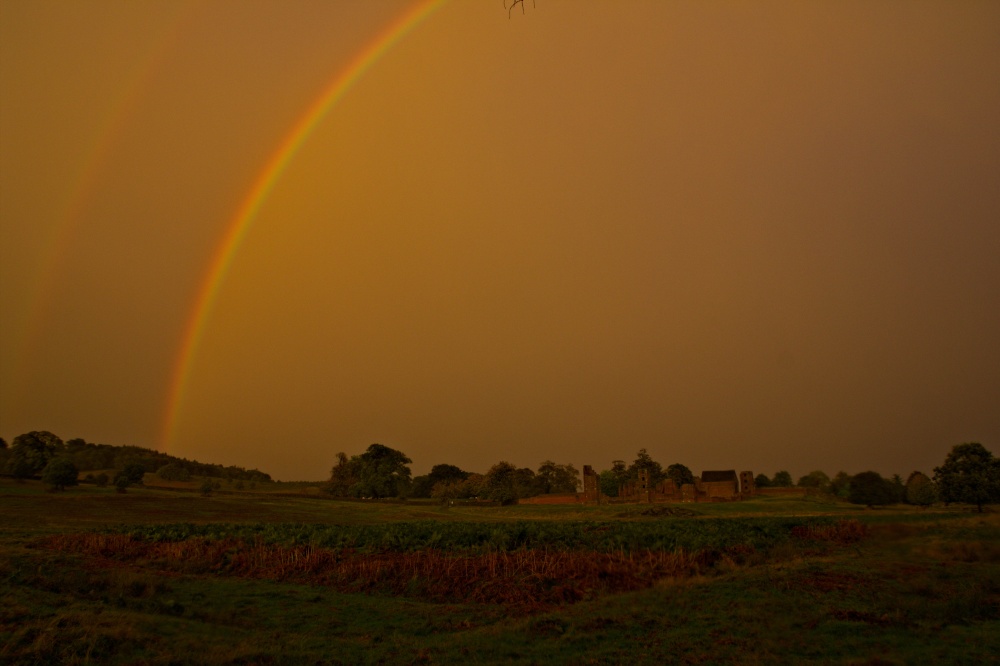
<point>60,474</point>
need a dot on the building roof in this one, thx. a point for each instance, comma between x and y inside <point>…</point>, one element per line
<point>726,475</point>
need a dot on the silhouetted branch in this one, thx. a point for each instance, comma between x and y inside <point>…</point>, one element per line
<point>514,3</point>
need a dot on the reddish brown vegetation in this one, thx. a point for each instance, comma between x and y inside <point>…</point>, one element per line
<point>525,578</point>
<point>860,616</point>
<point>842,532</point>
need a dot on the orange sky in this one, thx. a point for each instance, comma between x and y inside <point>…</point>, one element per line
<point>752,235</point>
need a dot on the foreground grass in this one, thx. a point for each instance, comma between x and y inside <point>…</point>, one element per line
<point>923,587</point>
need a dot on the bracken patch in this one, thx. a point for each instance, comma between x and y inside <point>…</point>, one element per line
<point>841,532</point>
<point>528,579</point>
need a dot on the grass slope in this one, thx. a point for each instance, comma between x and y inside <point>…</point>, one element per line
<point>923,587</point>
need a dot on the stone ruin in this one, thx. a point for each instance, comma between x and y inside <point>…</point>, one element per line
<point>591,486</point>
<point>711,486</point>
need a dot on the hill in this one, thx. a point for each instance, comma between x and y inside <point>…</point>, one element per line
<point>91,457</point>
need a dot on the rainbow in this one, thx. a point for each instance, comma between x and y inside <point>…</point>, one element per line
<point>233,236</point>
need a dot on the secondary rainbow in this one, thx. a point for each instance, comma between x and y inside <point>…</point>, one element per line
<point>262,185</point>
<point>119,112</point>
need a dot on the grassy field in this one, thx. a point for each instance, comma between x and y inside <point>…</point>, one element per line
<point>163,576</point>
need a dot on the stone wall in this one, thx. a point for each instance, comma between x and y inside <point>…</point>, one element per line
<point>641,490</point>
<point>719,490</point>
<point>717,486</point>
<point>591,485</point>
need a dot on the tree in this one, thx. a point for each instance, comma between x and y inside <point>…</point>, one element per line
<point>782,479</point>
<point>525,484</point>
<point>612,479</point>
<point>841,485</point>
<point>608,483</point>
<point>31,452</point>
<point>619,469</point>
<point>343,476</point>
<point>815,479</point>
<point>206,487</point>
<point>920,490</point>
<point>644,461</point>
<point>553,478</point>
<point>870,489</point>
<point>448,473</point>
<point>132,475</point>
<point>567,479</point>
<point>545,476</point>
<point>75,445</point>
<point>423,485</point>
<point>761,481</point>
<point>680,474</point>
<point>20,468</point>
<point>468,488</point>
<point>382,472</point>
<point>898,489</point>
<point>970,474</point>
<point>134,472</point>
<point>60,474</point>
<point>499,484</point>
<point>446,491</point>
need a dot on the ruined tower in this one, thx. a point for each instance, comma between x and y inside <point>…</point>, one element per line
<point>591,485</point>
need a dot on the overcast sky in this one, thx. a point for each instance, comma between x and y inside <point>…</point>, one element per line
<point>742,235</point>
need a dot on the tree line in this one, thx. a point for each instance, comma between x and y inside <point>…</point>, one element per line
<point>383,472</point>
<point>970,474</point>
<point>32,453</point>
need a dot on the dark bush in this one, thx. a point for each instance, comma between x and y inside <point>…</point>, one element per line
<point>870,489</point>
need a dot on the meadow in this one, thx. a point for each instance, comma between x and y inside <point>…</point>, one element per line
<point>284,575</point>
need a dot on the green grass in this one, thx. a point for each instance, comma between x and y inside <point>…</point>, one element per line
<point>923,587</point>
